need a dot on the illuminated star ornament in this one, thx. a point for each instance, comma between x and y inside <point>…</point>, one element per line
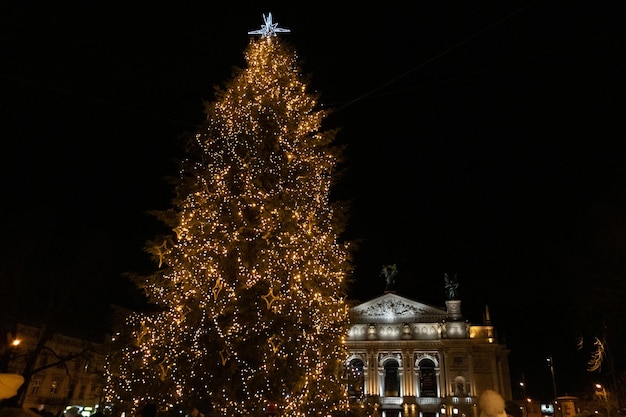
<point>217,288</point>
<point>275,343</point>
<point>269,298</point>
<point>269,28</point>
<point>225,354</point>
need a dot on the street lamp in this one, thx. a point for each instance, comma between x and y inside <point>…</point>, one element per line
<point>522,385</point>
<point>604,397</point>
<point>551,365</point>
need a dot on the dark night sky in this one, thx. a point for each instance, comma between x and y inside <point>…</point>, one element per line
<point>484,139</point>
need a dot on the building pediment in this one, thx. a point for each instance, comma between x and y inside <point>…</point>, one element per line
<point>392,308</point>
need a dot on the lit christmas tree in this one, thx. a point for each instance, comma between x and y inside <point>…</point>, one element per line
<point>250,294</point>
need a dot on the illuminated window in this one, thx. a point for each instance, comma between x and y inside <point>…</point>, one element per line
<point>356,379</point>
<point>36,384</point>
<point>392,379</point>
<point>427,378</point>
<point>54,387</point>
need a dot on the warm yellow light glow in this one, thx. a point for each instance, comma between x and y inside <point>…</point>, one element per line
<point>250,292</point>
<point>16,342</point>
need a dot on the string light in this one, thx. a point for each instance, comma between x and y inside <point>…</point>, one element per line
<point>251,286</point>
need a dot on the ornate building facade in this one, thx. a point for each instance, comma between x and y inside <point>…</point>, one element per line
<point>57,383</point>
<point>410,359</point>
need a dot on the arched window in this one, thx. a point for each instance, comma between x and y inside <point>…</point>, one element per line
<point>356,378</point>
<point>428,378</point>
<point>392,379</point>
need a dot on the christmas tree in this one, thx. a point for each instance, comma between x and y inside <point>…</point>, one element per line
<point>250,292</point>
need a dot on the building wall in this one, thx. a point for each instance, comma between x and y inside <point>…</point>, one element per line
<point>77,382</point>
<point>416,362</point>
<point>440,365</point>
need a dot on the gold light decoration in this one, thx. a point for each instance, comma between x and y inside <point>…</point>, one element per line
<point>269,298</point>
<point>250,292</point>
<point>275,343</point>
<point>217,288</point>
<point>597,356</point>
<point>224,355</point>
<point>161,250</point>
<point>164,370</point>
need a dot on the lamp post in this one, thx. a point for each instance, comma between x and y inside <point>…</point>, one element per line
<point>10,351</point>
<point>604,397</point>
<point>551,365</point>
<point>522,385</point>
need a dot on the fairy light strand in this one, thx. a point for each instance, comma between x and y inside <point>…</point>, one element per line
<point>251,285</point>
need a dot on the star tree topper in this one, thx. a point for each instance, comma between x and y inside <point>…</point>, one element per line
<point>269,28</point>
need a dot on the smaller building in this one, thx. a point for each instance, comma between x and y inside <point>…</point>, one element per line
<point>409,359</point>
<point>57,383</point>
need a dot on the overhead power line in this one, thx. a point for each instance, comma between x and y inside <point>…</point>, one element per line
<point>439,55</point>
